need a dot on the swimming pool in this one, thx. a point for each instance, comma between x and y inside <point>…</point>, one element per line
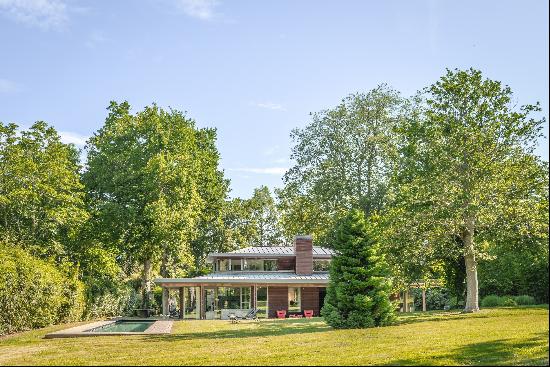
<point>118,326</point>
<point>124,326</point>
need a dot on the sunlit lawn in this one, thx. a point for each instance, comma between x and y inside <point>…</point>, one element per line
<point>507,336</point>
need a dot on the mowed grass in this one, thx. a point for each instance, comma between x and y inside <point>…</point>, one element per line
<point>501,336</point>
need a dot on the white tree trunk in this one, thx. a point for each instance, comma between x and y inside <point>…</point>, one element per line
<point>472,291</point>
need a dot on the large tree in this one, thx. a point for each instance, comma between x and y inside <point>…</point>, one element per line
<point>254,221</point>
<point>342,162</point>
<point>151,178</point>
<point>41,196</point>
<point>465,167</point>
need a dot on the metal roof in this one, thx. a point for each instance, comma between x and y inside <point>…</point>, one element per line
<point>278,251</point>
<point>250,277</point>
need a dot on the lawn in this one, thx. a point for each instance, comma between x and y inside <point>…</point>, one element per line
<point>504,336</point>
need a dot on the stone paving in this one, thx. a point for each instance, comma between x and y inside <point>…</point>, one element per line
<point>159,327</point>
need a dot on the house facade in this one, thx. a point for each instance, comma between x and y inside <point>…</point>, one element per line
<point>292,278</point>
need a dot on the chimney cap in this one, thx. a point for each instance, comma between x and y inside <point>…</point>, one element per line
<point>303,237</point>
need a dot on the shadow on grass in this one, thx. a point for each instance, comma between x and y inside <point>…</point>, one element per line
<point>490,353</point>
<point>254,329</point>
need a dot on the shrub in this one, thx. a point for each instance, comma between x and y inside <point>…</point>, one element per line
<point>525,300</point>
<point>508,302</point>
<point>34,293</point>
<point>491,301</point>
<point>436,299</point>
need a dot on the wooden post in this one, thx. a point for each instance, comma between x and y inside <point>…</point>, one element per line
<point>405,301</point>
<point>165,300</point>
<point>254,296</point>
<point>423,299</point>
<point>182,303</point>
<point>202,311</point>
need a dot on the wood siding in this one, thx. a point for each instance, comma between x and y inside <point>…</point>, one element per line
<point>303,248</point>
<point>310,300</point>
<point>277,300</point>
<point>286,263</point>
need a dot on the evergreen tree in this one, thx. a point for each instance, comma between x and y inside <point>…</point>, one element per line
<point>358,295</point>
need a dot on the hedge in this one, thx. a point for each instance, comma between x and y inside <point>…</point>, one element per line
<point>35,293</point>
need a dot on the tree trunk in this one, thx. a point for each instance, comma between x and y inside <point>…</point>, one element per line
<point>472,304</point>
<point>164,266</point>
<point>146,284</point>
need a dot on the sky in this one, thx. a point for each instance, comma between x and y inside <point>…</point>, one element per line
<point>255,70</point>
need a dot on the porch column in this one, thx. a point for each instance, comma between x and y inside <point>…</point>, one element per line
<point>202,303</point>
<point>424,299</point>
<point>254,296</point>
<point>165,300</point>
<point>182,303</point>
<point>405,301</point>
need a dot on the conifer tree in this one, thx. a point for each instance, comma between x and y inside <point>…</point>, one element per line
<point>358,295</point>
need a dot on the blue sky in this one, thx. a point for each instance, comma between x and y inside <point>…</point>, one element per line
<point>253,69</point>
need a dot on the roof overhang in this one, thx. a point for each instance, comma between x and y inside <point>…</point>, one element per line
<point>181,282</point>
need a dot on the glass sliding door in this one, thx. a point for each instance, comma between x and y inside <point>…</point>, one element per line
<point>192,303</point>
<point>262,302</point>
<point>210,303</point>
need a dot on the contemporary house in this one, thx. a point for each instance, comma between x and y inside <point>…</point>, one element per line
<point>292,278</point>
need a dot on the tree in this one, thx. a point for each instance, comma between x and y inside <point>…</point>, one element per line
<point>358,294</point>
<point>465,165</point>
<point>254,221</point>
<point>342,162</point>
<point>41,196</point>
<point>151,178</point>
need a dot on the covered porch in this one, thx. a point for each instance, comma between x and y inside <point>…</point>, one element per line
<point>211,299</point>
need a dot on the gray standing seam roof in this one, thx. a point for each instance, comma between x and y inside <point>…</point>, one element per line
<point>251,277</point>
<point>272,250</point>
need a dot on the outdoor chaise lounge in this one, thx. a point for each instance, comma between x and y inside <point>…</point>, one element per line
<point>252,314</point>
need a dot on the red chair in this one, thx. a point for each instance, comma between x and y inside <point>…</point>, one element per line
<point>281,314</point>
<point>308,314</point>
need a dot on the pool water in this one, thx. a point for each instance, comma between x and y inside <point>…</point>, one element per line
<point>125,326</point>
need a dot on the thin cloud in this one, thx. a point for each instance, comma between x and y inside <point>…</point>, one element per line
<point>279,171</point>
<point>200,9</point>
<point>7,86</point>
<point>68,137</point>
<point>270,106</point>
<point>44,14</point>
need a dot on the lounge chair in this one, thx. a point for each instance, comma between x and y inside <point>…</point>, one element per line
<point>308,314</point>
<point>252,314</point>
<point>281,314</point>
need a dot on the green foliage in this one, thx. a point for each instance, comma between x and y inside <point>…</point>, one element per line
<point>507,301</point>
<point>525,300</point>
<point>491,301</point>
<point>34,293</point>
<point>436,298</point>
<point>358,294</point>
<point>155,189</point>
<point>465,170</point>
<point>342,162</point>
<point>254,221</point>
<point>41,196</point>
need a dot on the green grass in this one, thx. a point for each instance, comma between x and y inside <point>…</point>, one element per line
<point>503,336</point>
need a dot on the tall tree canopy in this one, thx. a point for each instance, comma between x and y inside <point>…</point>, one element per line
<point>466,174</point>
<point>342,162</point>
<point>154,186</point>
<point>254,221</point>
<point>41,196</point>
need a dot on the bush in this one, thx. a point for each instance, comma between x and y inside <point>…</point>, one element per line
<point>34,293</point>
<point>436,299</point>
<point>525,300</point>
<point>491,301</point>
<point>508,302</point>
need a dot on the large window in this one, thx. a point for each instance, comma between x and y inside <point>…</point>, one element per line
<point>294,298</point>
<point>262,302</point>
<point>192,304</point>
<point>260,265</point>
<point>228,265</point>
<point>321,265</point>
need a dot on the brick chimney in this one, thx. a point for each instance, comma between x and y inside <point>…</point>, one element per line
<point>303,249</point>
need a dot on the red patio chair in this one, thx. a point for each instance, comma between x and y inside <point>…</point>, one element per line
<point>281,314</point>
<point>308,314</point>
